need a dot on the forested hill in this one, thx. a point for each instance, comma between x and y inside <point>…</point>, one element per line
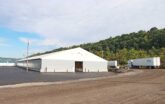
<point>128,46</point>
<point>7,60</point>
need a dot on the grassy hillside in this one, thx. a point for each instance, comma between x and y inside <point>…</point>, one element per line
<point>128,46</point>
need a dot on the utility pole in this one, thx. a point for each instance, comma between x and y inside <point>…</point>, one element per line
<point>102,52</point>
<point>27,62</point>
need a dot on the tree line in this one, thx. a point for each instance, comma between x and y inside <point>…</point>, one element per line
<point>128,46</point>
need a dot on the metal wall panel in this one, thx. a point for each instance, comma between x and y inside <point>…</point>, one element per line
<point>57,66</point>
<point>91,66</point>
<point>32,64</point>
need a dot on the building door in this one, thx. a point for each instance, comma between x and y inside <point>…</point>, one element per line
<point>78,66</point>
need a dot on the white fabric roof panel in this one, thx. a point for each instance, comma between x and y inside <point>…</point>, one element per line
<point>76,54</point>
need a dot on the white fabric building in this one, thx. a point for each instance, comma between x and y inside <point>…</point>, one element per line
<point>72,60</point>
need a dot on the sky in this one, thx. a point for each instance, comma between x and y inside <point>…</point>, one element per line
<point>50,24</point>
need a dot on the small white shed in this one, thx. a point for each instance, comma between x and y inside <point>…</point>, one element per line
<point>72,60</point>
<point>112,63</point>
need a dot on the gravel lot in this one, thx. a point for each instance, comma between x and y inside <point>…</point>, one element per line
<point>15,75</point>
<point>147,87</point>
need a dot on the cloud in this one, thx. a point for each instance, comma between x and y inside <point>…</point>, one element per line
<point>41,42</point>
<point>39,45</point>
<point>68,22</point>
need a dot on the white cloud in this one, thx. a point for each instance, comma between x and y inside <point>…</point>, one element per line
<point>68,22</point>
<point>42,42</point>
<point>39,45</point>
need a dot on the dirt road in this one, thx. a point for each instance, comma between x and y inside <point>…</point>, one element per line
<point>147,87</point>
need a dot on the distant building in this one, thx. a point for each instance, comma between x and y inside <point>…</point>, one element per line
<point>72,60</point>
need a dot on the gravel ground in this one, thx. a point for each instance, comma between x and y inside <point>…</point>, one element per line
<point>147,87</point>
